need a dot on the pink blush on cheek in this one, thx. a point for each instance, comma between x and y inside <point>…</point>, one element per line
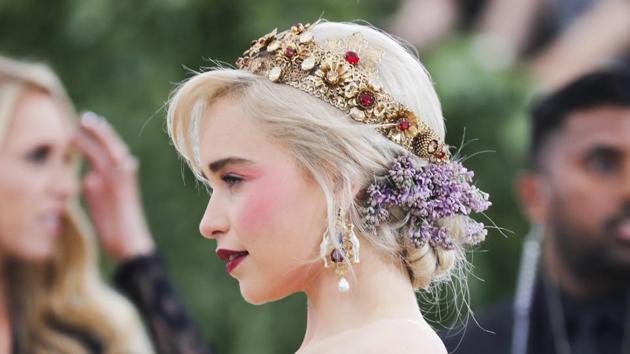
<point>268,200</point>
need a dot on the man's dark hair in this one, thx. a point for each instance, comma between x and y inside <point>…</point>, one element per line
<point>605,87</point>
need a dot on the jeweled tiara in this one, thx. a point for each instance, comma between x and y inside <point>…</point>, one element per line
<point>342,72</point>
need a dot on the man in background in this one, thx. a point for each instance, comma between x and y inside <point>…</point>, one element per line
<point>573,293</point>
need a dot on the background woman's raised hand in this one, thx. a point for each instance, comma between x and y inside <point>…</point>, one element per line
<point>111,190</point>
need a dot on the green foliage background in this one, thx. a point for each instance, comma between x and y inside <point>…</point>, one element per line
<point>122,58</point>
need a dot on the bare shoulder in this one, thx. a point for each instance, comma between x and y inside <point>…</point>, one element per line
<point>400,337</point>
<point>395,336</point>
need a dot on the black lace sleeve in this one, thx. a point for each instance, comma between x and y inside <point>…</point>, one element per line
<point>146,283</point>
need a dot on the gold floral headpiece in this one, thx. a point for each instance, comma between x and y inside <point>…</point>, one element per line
<point>342,72</point>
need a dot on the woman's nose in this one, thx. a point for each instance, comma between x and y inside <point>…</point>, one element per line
<point>214,222</point>
<point>66,182</point>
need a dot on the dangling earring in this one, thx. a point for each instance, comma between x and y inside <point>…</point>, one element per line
<point>349,247</point>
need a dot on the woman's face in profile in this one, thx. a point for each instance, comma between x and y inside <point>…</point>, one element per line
<point>266,214</point>
<point>36,177</point>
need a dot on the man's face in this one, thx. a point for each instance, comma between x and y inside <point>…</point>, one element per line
<point>585,174</point>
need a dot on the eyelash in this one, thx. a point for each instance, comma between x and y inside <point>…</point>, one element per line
<point>602,164</point>
<point>231,180</point>
<point>39,155</point>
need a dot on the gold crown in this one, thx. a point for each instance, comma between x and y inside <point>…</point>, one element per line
<point>342,72</point>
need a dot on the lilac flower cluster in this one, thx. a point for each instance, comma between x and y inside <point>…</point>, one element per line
<point>427,195</point>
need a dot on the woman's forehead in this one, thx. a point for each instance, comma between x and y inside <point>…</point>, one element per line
<point>38,116</point>
<point>225,130</point>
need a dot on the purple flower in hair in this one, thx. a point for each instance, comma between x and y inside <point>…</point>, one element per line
<point>428,195</point>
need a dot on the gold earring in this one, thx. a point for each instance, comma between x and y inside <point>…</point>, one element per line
<point>335,254</point>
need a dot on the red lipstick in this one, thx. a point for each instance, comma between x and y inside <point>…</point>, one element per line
<point>233,258</point>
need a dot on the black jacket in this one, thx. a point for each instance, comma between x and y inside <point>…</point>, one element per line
<point>494,333</point>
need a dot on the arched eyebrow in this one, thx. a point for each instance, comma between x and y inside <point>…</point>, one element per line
<point>604,150</point>
<point>220,164</point>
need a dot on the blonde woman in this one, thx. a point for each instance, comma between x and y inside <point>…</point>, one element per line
<point>324,152</point>
<point>52,298</point>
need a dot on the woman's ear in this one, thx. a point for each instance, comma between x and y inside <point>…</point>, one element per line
<point>534,196</point>
<point>340,182</point>
<point>356,187</point>
<point>344,196</point>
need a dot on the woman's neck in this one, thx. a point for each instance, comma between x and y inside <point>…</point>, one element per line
<point>3,292</point>
<point>5,324</point>
<point>379,289</point>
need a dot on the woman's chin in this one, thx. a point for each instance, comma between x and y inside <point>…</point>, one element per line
<point>253,297</point>
<point>31,249</point>
<point>35,256</point>
<point>260,295</point>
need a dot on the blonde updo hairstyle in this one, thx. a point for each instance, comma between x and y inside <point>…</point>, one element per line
<point>336,151</point>
<point>68,289</point>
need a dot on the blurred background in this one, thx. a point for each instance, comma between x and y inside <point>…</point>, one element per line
<point>122,58</point>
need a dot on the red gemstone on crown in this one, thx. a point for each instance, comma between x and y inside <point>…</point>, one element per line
<point>336,256</point>
<point>366,99</point>
<point>352,57</point>
<point>403,124</point>
<point>290,52</point>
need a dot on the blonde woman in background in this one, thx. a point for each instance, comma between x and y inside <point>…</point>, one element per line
<point>328,173</point>
<point>52,297</point>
